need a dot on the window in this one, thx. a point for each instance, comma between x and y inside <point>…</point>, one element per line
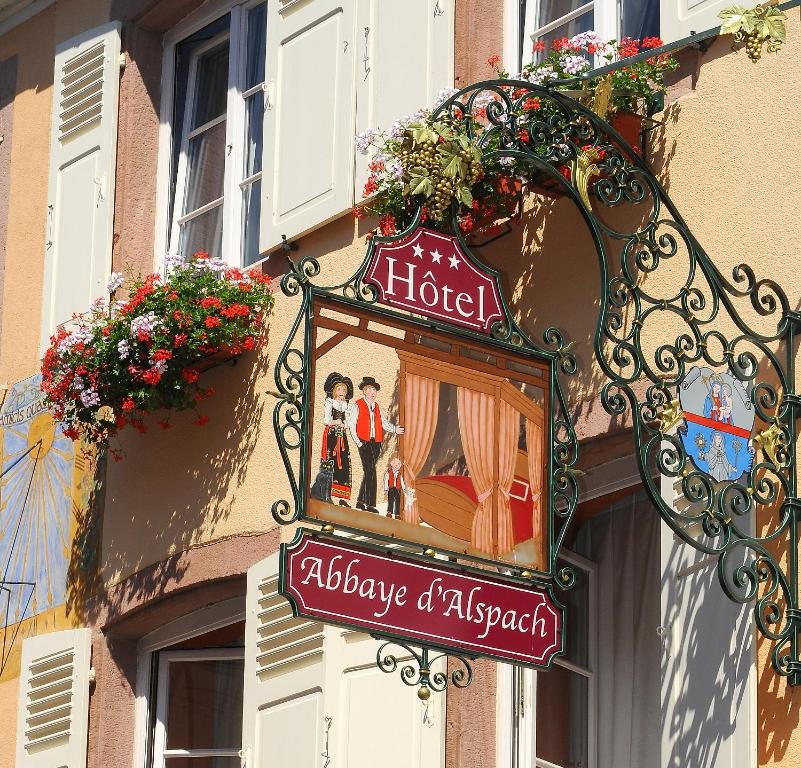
<point>547,20</point>
<point>565,695</point>
<point>255,84</point>
<point>198,721</point>
<point>216,137</point>
<point>548,719</point>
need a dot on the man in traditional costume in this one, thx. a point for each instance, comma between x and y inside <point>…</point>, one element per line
<point>368,426</point>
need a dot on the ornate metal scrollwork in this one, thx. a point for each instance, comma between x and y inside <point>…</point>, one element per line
<point>649,335</point>
<point>418,670</point>
<point>654,332</point>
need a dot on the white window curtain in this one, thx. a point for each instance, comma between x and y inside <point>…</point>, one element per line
<point>625,543</point>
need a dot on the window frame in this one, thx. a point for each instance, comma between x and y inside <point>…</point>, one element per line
<point>161,754</point>
<point>606,23</point>
<point>517,691</point>
<point>166,236</point>
<point>208,619</point>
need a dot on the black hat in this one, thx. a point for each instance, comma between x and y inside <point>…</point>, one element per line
<point>369,381</point>
<point>337,378</point>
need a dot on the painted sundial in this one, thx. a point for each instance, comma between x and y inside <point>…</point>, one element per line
<point>719,419</point>
<point>37,463</point>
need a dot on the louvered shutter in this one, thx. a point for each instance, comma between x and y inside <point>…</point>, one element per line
<point>681,18</point>
<point>708,660</point>
<point>405,58</point>
<point>309,117</point>
<point>284,694</point>
<point>53,710</point>
<point>83,152</point>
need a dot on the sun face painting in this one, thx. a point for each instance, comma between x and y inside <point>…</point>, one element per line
<point>37,463</point>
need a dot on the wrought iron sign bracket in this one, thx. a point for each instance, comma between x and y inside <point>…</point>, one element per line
<point>716,419</point>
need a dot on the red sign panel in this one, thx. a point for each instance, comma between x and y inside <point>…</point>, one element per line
<point>381,592</point>
<point>428,273</point>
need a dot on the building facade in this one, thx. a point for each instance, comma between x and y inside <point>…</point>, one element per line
<point>141,620</point>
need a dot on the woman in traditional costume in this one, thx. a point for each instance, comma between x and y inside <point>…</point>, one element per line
<point>339,391</point>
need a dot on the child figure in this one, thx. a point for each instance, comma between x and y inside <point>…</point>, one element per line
<point>393,485</point>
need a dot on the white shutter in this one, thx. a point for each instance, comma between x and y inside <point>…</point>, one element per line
<point>381,720</point>
<point>681,18</point>
<point>283,716</point>
<point>708,663</point>
<point>83,152</point>
<point>298,673</point>
<point>309,116</point>
<point>404,59</point>
<point>53,709</point>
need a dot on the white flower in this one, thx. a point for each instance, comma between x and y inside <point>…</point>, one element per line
<point>160,366</point>
<point>77,383</point>
<point>172,262</point>
<point>507,161</point>
<point>115,281</point>
<point>575,65</point>
<point>124,349</point>
<point>542,75</point>
<point>90,397</point>
<point>364,140</point>
<point>583,39</point>
<point>394,167</point>
<point>444,95</point>
<point>144,324</point>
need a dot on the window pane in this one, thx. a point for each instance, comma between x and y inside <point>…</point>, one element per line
<point>257,31</point>
<point>551,10</point>
<point>251,209</point>
<point>203,233</point>
<point>254,125</point>
<point>205,705</point>
<point>205,168</point>
<point>185,56</point>
<point>583,23</point>
<point>211,85</point>
<point>640,18</point>
<point>562,717</point>
<point>203,762</point>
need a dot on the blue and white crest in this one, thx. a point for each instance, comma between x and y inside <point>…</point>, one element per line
<point>719,419</point>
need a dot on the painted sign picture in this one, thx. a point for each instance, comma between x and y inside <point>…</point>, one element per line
<point>427,438</point>
<point>719,418</point>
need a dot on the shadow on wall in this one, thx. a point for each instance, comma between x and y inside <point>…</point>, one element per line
<point>178,486</point>
<point>707,652</point>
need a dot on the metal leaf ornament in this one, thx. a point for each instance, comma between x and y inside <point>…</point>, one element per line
<point>757,25</point>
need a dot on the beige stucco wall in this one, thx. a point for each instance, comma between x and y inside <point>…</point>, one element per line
<point>727,154</point>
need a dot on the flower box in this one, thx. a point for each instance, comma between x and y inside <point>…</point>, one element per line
<point>124,359</point>
<point>629,126</point>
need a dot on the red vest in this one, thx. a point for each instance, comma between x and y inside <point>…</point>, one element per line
<point>393,480</point>
<point>363,422</point>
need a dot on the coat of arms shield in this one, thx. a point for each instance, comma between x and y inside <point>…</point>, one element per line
<point>719,418</point>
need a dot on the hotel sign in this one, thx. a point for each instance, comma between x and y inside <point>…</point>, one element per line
<point>428,273</point>
<point>376,590</point>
